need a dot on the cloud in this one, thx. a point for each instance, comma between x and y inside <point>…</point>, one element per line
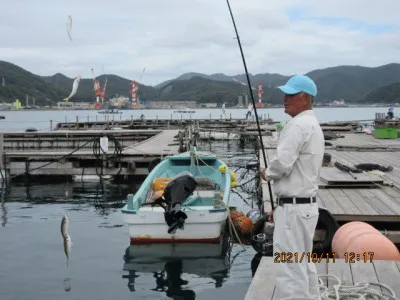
<point>169,38</point>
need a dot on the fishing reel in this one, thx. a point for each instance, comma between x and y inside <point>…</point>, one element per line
<point>262,245</point>
<point>262,236</point>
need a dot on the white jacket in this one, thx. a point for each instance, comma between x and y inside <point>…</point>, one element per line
<point>295,167</point>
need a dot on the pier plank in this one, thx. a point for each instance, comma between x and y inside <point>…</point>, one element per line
<point>160,144</point>
<point>341,269</point>
<point>379,271</point>
<point>334,176</point>
<point>364,207</point>
<point>364,272</point>
<point>330,202</point>
<point>345,202</point>
<point>390,191</point>
<point>387,200</point>
<point>322,269</point>
<point>263,284</point>
<point>375,202</point>
<point>389,274</point>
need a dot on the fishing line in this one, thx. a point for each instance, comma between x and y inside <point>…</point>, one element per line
<point>252,99</point>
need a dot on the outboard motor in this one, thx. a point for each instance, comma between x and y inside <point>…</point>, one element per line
<point>175,193</point>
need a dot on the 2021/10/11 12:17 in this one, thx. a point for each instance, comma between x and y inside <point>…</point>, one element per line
<point>348,257</point>
<point>351,257</point>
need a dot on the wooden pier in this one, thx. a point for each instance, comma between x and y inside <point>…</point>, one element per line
<point>373,196</point>
<point>159,124</point>
<point>370,196</point>
<point>73,153</point>
<point>72,149</point>
<point>387,272</point>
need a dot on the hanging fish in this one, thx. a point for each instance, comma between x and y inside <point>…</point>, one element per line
<point>64,226</point>
<point>67,247</point>
<point>69,27</point>
<point>66,237</point>
<point>74,87</point>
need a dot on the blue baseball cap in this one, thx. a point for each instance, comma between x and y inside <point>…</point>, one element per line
<point>299,83</point>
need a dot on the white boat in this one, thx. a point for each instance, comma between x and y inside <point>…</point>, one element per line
<point>206,207</point>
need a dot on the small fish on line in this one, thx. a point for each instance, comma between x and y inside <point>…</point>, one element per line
<point>74,87</point>
<point>66,237</point>
<point>67,247</point>
<point>69,27</point>
<point>64,226</point>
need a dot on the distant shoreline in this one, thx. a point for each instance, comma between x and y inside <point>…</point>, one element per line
<point>200,108</point>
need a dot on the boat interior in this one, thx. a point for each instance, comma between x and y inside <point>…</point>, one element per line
<point>210,183</point>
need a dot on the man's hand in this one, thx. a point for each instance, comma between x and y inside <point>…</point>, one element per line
<point>263,173</point>
<point>271,216</point>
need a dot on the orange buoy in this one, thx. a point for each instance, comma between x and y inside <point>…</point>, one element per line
<point>244,225</point>
<point>235,215</point>
<point>361,238</point>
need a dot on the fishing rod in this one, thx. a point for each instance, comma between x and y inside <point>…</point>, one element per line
<point>252,99</point>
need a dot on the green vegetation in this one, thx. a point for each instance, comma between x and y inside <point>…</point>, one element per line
<point>354,84</point>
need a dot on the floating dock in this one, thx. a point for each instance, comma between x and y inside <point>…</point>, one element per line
<point>159,123</point>
<point>372,197</point>
<point>387,272</point>
<point>73,153</point>
<point>72,150</point>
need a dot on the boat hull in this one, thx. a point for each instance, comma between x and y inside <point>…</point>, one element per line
<point>206,207</point>
<point>200,227</point>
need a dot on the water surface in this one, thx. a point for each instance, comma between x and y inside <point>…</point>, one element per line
<point>103,265</point>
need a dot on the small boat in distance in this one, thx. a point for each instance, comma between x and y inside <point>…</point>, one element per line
<point>195,187</point>
<point>110,111</point>
<point>184,111</point>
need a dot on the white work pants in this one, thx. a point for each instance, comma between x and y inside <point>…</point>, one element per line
<point>294,233</point>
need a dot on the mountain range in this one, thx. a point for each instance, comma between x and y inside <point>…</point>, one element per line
<point>353,84</point>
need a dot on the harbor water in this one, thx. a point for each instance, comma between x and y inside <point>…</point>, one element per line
<point>103,265</point>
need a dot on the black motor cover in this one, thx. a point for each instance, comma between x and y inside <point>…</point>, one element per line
<point>175,193</point>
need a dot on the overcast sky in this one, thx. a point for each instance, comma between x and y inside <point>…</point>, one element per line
<point>169,38</point>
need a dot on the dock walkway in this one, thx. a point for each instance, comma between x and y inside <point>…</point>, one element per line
<point>71,152</point>
<point>387,272</point>
<point>370,197</point>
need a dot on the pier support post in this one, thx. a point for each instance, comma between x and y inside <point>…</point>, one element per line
<point>51,125</point>
<point>2,165</point>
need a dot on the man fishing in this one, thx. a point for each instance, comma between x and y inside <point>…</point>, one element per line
<point>295,171</point>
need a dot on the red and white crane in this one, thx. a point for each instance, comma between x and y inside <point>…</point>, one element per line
<point>259,90</point>
<point>134,90</point>
<point>99,92</point>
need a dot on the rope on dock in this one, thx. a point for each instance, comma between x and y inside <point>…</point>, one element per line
<point>360,290</point>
